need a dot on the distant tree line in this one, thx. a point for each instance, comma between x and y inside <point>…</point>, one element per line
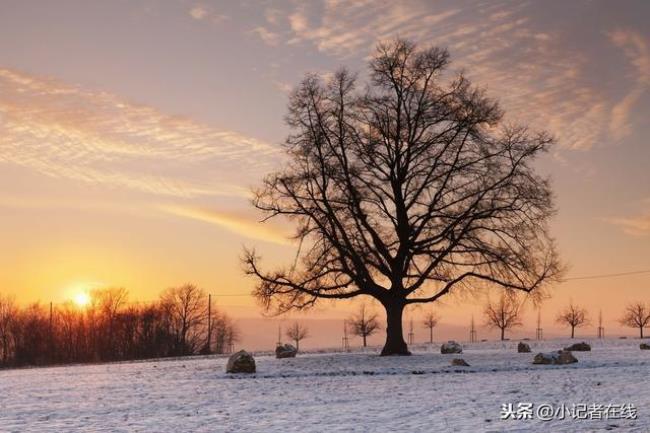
<point>506,315</point>
<point>109,328</point>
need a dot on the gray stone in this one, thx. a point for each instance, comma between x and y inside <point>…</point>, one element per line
<point>523,347</point>
<point>451,347</point>
<point>560,357</point>
<point>579,347</point>
<point>285,351</point>
<point>241,362</point>
<point>460,362</point>
<point>644,346</point>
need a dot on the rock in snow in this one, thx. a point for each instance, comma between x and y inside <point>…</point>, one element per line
<point>285,351</point>
<point>579,347</point>
<point>559,357</point>
<point>644,346</point>
<point>241,362</point>
<point>460,362</point>
<point>451,347</point>
<point>523,347</point>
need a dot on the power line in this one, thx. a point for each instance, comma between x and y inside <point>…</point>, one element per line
<point>620,274</point>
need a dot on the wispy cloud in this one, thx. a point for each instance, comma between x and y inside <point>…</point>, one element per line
<point>540,79</point>
<point>95,137</point>
<point>635,226</point>
<point>239,224</point>
<point>201,12</point>
<point>198,12</point>
<point>637,52</point>
<point>268,37</point>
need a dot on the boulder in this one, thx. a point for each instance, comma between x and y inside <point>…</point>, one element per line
<point>241,362</point>
<point>559,357</point>
<point>523,347</point>
<point>644,346</point>
<point>460,362</point>
<point>285,351</point>
<point>579,347</point>
<point>451,347</point>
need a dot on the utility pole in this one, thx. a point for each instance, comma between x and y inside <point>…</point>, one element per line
<point>279,343</point>
<point>345,340</point>
<point>51,331</point>
<point>472,331</point>
<point>601,329</point>
<point>411,336</point>
<point>208,344</point>
<point>539,335</point>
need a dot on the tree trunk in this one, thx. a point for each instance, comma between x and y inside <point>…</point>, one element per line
<point>297,345</point>
<point>395,344</point>
<point>364,341</point>
<point>641,331</point>
<point>431,335</point>
<point>503,334</point>
<point>573,331</point>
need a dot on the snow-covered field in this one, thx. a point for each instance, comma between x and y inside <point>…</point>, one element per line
<point>323,392</point>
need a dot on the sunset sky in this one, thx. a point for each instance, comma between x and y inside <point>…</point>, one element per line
<point>131,133</point>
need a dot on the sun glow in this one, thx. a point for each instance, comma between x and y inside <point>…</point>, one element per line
<point>81,299</point>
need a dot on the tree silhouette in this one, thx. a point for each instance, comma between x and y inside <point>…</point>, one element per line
<point>296,332</point>
<point>8,318</point>
<point>430,321</point>
<point>504,314</point>
<point>637,315</point>
<point>363,324</point>
<point>109,328</point>
<point>405,190</point>
<point>186,307</point>
<point>573,316</point>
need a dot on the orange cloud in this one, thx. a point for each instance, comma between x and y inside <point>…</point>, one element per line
<point>65,131</point>
<point>636,50</point>
<point>635,226</point>
<point>238,224</point>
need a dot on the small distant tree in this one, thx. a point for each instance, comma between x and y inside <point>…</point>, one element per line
<point>226,334</point>
<point>8,316</point>
<point>364,324</point>
<point>430,321</point>
<point>186,307</point>
<point>637,315</point>
<point>573,316</point>
<point>109,302</point>
<point>504,314</point>
<point>297,333</point>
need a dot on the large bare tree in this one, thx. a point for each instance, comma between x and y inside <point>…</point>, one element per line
<point>637,315</point>
<point>573,316</point>
<point>504,314</point>
<point>404,190</point>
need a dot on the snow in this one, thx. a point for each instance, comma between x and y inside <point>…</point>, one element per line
<point>323,392</point>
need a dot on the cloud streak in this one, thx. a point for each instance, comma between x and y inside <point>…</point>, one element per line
<point>540,78</point>
<point>65,131</point>
<point>237,224</point>
<point>636,50</point>
<point>635,226</point>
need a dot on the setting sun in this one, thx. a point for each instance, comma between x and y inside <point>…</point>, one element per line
<point>81,299</point>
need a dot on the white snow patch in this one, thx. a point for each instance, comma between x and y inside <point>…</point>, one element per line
<point>330,392</point>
